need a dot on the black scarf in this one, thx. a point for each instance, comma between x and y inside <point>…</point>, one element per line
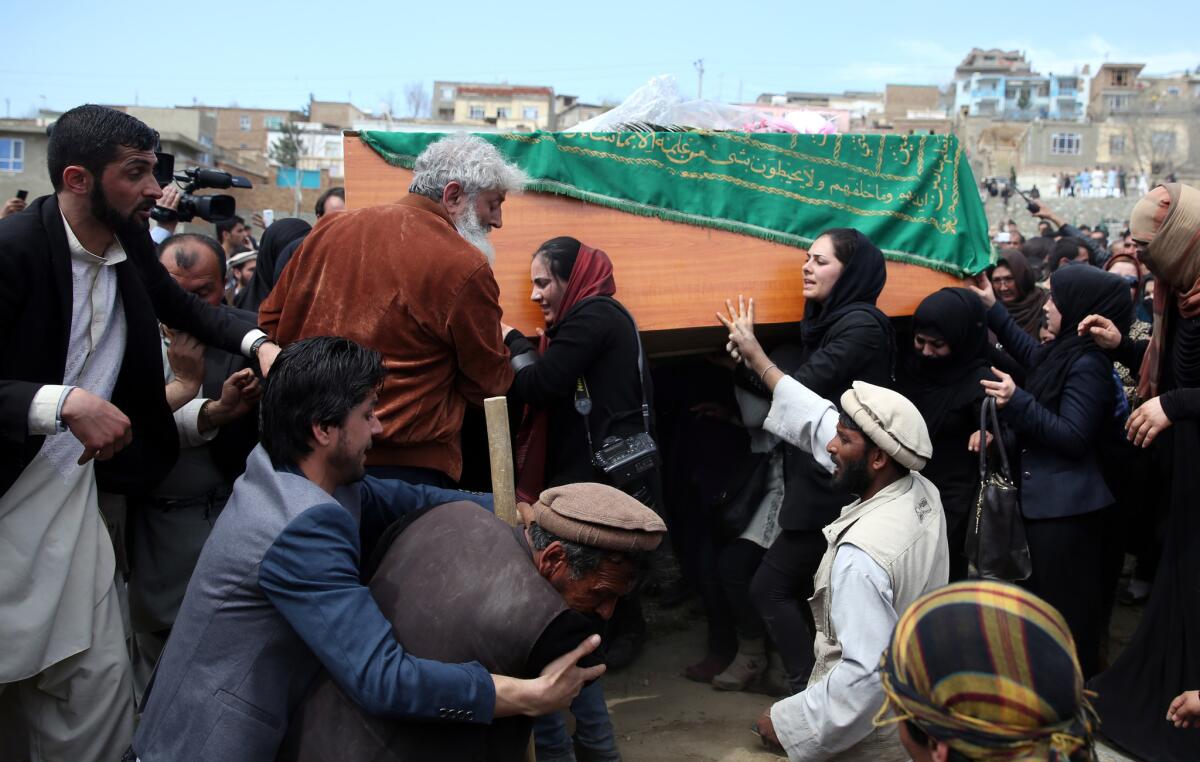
<point>1026,311</point>
<point>1077,291</point>
<point>278,236</point>
<point>857,288</point>
<point>938,386</point>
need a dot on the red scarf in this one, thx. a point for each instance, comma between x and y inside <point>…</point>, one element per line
<point>1164,303</point>
<point>591,276</point>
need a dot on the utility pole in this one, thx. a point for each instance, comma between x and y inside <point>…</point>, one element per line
<point>699,64</point>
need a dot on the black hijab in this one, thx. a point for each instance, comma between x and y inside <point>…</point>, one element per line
<point>278,236</point>
<point>938,386</point>
<point>1077,291</point>
<point>857,288</point>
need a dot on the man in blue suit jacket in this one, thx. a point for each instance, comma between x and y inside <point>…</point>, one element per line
<point>277,592</point>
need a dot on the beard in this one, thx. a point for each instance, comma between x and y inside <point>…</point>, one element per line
<point>853,477</point>
<point>108,216</point>
<point>475,232</point>
<point>347,464</point>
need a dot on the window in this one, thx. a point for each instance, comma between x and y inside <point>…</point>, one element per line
<point>1173,91</point>
<point>529,112</point>
<point>477,112</point>
<point>1120,77</point>
<point>1161,143</point>
<point>206,141</point>
<point>502,112</point>
<point>1116,145</point>
<point>12,155</point>
<point>244,123</point>
<point>1065,143</point>
<point>447,93</point>
<point>1118,102</point>
<point>273,122</point>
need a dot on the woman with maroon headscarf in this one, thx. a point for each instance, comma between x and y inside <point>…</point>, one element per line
<point>589,337</point>
<point>588,353</point>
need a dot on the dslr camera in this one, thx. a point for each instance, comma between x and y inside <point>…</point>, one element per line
<point>214,208</point>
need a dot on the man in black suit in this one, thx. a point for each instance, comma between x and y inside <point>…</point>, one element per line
<point>82,409</point>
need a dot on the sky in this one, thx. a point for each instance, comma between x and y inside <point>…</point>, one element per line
<point>272,54</point>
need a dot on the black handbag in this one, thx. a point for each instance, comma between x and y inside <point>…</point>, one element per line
<point>996,546</point>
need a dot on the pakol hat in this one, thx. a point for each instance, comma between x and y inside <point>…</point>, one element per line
<point>598,516</point>
<point>243,258</point>
<point>890,421</point>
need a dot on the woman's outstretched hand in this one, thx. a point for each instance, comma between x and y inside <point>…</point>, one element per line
<point>1102,330</point>
<point>982,287</point>
<point>742,345</point>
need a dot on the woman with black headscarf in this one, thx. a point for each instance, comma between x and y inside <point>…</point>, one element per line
<point>1066,407</point>
<point>843,338</point>
<point>941,376</point>
<point>278,237</point>
<point>1015,285</point>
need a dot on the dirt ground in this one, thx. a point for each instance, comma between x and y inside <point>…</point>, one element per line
<point>659,716</point>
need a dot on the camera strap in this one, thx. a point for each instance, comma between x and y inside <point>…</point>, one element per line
<point>583,400</point>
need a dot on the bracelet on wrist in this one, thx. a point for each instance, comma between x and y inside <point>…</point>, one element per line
<point>763,376</point>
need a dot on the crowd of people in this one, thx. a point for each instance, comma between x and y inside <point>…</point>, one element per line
<point>1112,181</point>
<point>239,520</point>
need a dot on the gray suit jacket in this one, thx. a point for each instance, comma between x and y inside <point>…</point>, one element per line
<point>234,666</point>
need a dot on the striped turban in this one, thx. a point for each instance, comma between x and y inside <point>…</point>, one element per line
<point>990,670</point>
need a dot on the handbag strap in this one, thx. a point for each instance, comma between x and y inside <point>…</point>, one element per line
<point>581,392</point>
<point>988,410</point>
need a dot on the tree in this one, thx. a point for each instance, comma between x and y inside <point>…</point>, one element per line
<point>286,152</point>
<point>417,99</point>
<point>1023,100</point>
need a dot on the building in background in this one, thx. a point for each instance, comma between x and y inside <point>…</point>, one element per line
<point>1114,90</point>
<point>914,109</point>
<point>570,111</point>
<point>510,108</point>
<point>23,157</point>
<point>860,109</point>
<point>320,154</point>
<point>1002,85</point>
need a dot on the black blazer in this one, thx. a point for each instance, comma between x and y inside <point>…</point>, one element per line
<point>35,326</point>
<point>596,340</point>
<point>1060,472</point>
<point>235,440</point>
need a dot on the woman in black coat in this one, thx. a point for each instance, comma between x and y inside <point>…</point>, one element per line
<point>589,350</point>
<point>843,338</point>
<point>1066,407</point>
<point>941,376</point>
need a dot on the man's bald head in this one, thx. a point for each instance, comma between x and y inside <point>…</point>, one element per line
<point>197,263</point>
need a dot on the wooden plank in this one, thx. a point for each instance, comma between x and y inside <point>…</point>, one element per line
<point>670,275</point>
<point>504,480</point>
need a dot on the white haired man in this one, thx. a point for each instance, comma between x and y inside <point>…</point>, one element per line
<point>412,280</point>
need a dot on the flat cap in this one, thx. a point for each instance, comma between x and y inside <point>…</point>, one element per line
<point>891,421</point>
<point>598,516</point>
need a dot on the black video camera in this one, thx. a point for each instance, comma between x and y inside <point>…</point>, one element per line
<point>214,208</point>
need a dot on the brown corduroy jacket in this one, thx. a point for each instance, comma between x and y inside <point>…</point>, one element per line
<point>400,279</point>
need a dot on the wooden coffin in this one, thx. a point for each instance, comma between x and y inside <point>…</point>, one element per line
<point>672,276</point>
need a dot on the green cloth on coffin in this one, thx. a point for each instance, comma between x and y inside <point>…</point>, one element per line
<point>913,195</point>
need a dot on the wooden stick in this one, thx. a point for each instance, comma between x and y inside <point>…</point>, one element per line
<point>504,485</point>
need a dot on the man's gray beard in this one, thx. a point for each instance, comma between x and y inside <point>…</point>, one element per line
<point>475,232</point>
